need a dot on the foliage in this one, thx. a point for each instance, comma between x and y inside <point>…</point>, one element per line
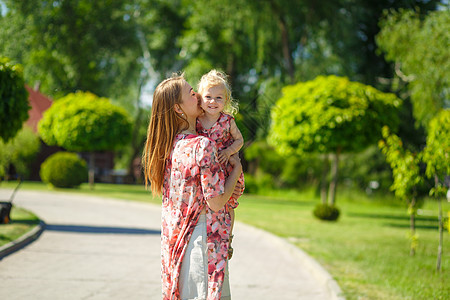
<point>258,183</point>
<point>84,122</point>
<point>406,172</point>
<point>330,113</point>
<point>419,47</point>
<point>404,164</point>
<point>72,45</point>
<point>437,152</point>
<point>20,152</point>
<point>326,212</point>
<point>285,171</point>
<point>368,170</point>
<point>437,156</point>
<point>64,170</point>
<point>13,99</point>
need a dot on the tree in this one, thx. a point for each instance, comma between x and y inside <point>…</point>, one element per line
<point>330,115</point>
<point>406,173</point>
<point>82,121</point>
<point>419,47</point>
<point>13,99</point>
<point>73,45</point>
<point>19,152</point>
<point>437,157</point>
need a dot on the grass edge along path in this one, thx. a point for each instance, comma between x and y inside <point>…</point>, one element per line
<point>366,251</point>
<point>22,222</point>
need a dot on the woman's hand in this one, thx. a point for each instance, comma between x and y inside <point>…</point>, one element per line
<point>235,161</point>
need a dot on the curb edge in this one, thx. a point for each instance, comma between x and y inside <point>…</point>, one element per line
<point>22,241</point>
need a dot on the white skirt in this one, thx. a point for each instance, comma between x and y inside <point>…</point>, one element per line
<point>193,281</point>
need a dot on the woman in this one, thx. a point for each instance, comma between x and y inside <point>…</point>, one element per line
<point>184,168</point>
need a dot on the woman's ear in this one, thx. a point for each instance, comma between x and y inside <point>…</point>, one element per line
<point>178,109</point>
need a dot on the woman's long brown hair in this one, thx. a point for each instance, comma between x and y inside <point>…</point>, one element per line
<point>165,124</point>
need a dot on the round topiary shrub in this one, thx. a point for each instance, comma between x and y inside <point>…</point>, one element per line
<point>64,170</point>
<point>326,212</point>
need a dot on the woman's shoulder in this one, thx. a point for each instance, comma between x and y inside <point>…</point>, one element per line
<point>204,142</point>
<point>192,139</point>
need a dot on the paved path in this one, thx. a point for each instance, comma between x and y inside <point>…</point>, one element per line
<point>96,248</point>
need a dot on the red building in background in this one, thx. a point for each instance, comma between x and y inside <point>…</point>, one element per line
<point>39,103</point>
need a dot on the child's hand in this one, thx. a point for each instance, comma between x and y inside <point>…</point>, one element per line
<point>224,156</point>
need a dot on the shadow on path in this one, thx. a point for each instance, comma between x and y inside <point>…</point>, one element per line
<point>99,229</point>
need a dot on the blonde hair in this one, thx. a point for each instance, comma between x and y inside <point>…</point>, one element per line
<point>165,124</point>
<point>216,78</point>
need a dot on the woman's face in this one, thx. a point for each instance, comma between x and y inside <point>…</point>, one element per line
<point>189,102</point>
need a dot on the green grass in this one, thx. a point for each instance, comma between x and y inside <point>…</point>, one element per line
<point>366,251</point>
<point>22,221</point>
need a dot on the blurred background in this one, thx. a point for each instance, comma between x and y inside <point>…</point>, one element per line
<point>121,49</point>
<point>338,99</point>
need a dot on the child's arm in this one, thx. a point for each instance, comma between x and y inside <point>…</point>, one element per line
<point>225,154</point>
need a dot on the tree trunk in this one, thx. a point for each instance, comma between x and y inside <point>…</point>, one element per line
<point>136,143</point>
<point>286,52</point>
<point>441,229</point>
<point>288,62</point>
<point>412,226</point>
<point>334,178</point>
<point>323,180</point>
<point>91,169</point>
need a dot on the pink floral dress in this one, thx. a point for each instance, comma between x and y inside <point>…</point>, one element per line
<point>192,175</point>
<point>220,132</point>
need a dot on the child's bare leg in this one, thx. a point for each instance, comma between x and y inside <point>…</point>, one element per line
<point>230,249</point>
<point>232,220</point>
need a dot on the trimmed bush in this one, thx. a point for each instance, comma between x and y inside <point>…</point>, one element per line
<point>13,99</point>
<point>64,170</point>
<point>326,212</point>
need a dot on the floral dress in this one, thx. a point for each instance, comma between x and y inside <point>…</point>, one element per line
<point>220,132</point>
<point>192,176</point>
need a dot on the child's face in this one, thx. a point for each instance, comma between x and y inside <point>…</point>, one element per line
<point>213,99</point>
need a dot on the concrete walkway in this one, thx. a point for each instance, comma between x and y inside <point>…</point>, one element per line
<point>96,248</point>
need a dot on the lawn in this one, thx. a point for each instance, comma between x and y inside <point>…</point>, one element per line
<point>22,221</point>
<point>366,251</point>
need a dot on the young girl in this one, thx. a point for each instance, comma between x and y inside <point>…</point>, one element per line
<point>218,124</point>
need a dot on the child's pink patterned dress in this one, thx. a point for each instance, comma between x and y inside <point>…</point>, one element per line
<point>220,132</point>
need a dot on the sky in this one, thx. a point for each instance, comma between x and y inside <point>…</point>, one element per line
<point>3,8</point>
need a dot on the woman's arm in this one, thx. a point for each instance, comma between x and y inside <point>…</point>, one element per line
<point>225,154</point>
<point>217,203</point>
